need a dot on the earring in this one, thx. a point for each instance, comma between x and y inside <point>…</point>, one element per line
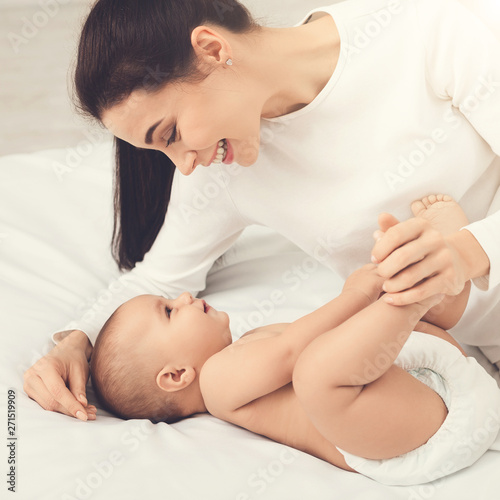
<point>229,62</point>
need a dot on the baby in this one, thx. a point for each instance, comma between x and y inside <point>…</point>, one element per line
<point>361,384</point>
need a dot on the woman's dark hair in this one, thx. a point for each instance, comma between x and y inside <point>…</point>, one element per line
<point>130,45</point>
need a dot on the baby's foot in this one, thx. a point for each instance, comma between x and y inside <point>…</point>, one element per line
<point>442,211</point>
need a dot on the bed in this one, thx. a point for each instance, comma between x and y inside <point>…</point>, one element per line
<point>55,226</point>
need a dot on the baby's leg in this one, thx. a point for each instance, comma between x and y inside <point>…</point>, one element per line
<point>356,397</point>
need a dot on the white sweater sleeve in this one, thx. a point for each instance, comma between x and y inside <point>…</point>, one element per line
<point>463,64</point>
<point>191,239</point>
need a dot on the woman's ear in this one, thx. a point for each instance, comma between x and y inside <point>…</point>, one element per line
<point>173,379</point>
<point>210,46</point>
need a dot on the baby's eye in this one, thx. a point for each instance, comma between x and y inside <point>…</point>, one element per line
<point>168,311</point>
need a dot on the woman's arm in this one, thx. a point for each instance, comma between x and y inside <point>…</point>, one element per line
<point>463,68</point>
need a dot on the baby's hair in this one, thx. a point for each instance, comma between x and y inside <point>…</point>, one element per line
<point>125,383</point>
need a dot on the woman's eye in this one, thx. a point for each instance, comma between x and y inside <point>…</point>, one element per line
<point>172,137</point>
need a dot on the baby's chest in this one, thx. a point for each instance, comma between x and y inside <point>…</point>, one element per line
<point>261,332</point>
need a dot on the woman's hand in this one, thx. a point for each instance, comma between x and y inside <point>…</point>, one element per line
<point>57,381</point>
<point>418,261</point>
<point>365,280</point>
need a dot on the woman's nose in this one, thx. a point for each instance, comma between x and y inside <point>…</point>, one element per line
<point>184,162</point>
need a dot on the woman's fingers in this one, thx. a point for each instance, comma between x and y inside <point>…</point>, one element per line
<point>52,394</point>
<point>429,287</point>
<point>386,221</point>
<point>402,265</point>
<point>91,412</point>
<point>439,262</point>
<point>419,293</point>
<point>424,254</point>
<point>416,260</point>
<point>77,381</point>
<point>63,396</point>
<point>77,385</point>
<point>396,236</point>
<point>36,390</point>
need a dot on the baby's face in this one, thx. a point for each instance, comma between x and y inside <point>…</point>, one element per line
<point>185,328</point>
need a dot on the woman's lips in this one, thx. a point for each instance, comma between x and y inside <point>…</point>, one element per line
<point>230,153</point>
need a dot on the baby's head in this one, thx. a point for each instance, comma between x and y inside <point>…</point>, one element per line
<point>148,356</point>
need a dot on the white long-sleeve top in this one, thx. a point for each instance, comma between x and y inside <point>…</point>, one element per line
<point>412,108</point>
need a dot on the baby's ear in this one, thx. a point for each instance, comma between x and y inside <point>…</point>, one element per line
<point>172,379</point>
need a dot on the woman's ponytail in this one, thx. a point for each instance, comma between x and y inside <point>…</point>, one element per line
<point>141,196</point>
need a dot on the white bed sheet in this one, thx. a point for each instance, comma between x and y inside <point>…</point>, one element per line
<point>55,227</point>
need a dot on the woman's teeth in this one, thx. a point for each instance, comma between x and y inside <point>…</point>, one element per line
<point>221,152</point>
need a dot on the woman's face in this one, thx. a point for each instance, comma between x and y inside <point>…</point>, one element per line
<point>188,121</point>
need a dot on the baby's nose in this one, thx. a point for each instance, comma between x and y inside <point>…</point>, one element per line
<point>185,298</point>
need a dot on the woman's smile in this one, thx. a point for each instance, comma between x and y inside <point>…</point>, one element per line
<point>220,152</point>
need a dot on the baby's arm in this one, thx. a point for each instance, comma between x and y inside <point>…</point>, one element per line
<point>245,371</point>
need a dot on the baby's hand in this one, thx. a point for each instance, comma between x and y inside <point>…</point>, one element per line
<point>365,280</point>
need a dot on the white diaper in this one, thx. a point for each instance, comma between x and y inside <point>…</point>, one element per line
<point>471,426</point>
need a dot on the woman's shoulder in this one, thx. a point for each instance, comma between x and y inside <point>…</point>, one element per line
<point>447,15</point>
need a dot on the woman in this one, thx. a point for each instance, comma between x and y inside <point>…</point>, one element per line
<point>312,130</point>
